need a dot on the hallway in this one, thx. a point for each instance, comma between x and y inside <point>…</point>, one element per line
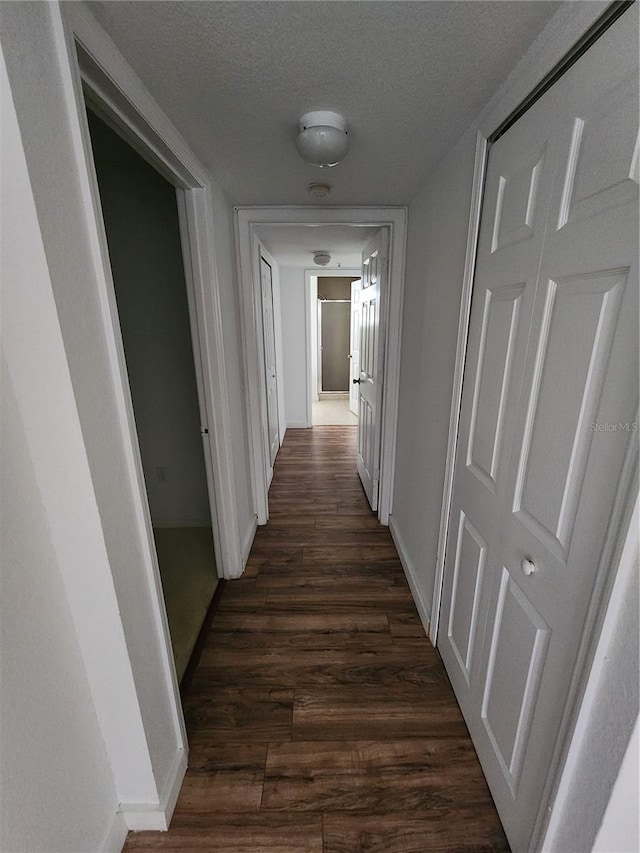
<point>320,718</point>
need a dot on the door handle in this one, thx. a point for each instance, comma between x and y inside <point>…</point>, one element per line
<point>358,381</point>
<point>528,566</point>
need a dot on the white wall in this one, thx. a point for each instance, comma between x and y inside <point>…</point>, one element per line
<point>92,512</point>
<point>436,240</point>
<point>63,661</point>
<point>604,729</point>
<point>294,344</point>
<point>620,829</point>
<point>141,220</point>
<point>49,730</point>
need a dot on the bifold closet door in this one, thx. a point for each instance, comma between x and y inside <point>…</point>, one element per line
<point>548,415</point>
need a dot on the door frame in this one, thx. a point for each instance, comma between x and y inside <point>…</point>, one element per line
<point>127,109</point>
<point>311,315</point>
<point>492,124</point>
<point>119,99</point>
<point>247,221</point>
<point>264,256</point>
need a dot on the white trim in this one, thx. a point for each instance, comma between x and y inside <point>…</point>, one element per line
<point>248,219</point>
<point>116,835</point>
<point>141,816</point>
<point>479,171</point>
<point>248,540</point>
<point>310,287</point>
<point>298,425</point>
<point>411,575</point>
<point>265,254</point>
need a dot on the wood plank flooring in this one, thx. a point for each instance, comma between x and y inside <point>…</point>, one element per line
<point>320,718</point>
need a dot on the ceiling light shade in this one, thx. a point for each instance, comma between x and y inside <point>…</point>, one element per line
<point>321,258</point>
<point>323,139</point>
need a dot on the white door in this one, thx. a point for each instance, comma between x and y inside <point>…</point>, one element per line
<point>369,380</point>
<point>354,349</point>
<point>549,414</point>
<point>268,332</point>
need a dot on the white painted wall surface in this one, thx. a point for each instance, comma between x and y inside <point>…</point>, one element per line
<point>62,659</point>
<point>294,345</point>
<point>49,727</point>
<point>436,240</point>
<point>134,696</point>
<point>593,784</point>
<point>620,829</point>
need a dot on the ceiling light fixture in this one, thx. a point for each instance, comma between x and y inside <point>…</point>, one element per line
<point>322,139</point>
<point>321,258</point>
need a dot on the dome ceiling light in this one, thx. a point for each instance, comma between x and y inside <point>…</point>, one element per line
<point>323,139</point>
<point>321,258</point>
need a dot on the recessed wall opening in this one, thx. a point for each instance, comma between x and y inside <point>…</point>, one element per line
<point>140,213</point>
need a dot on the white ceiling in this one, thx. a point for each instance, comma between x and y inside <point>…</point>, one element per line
<point>409,77</point>
<point>294,245</point>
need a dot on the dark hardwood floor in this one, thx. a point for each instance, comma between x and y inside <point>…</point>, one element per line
<point>320,718</point>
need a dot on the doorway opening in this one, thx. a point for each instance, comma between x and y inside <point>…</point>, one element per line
<point>338,336</point>
<point>140,214</point>
<point>334,344</point>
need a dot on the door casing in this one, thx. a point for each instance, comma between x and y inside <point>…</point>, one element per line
<point>247,221</point>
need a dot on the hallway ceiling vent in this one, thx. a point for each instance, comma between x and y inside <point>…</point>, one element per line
<point>323,139</point>
<point>321,258</point>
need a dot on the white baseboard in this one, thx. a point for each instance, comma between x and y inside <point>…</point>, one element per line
<point>141,816</point>
<point>115,836</point>
<point>423,611</point>
<point>297,425</point>
<point>248,541</point>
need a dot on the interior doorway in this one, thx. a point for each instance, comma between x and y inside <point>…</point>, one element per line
<point>140,215</point>
<point>295,236</point>
<point>337,339</point>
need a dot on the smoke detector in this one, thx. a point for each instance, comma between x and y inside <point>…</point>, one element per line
<point>321,258</point>
<point>319,190</point>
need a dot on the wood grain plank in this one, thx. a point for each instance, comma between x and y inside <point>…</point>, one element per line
<point>231,713</point>
<point>262,832</point>
<point>375,667</point>
<point>406,625</point>
<point>467,830</point>
<point>222,777</point>
<point>419,777</point>
<point>335,713</point>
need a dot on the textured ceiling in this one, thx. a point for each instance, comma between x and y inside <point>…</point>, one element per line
<point>409,77</point>
<point>294,245</point>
